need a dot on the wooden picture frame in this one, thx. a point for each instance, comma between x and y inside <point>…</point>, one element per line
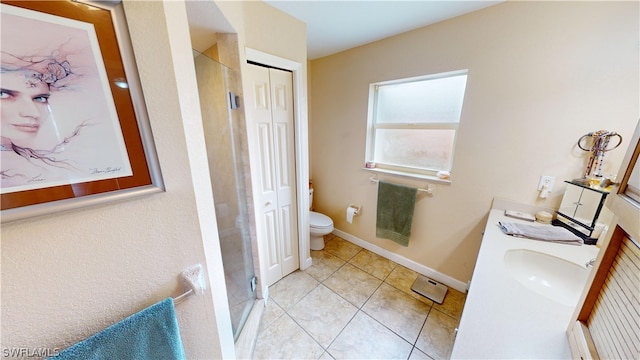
<point>86,139</point>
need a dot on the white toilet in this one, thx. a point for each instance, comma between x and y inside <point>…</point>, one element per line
<point>319,226</point>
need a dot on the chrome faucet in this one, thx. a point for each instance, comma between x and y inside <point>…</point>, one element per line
<point>590,263</point>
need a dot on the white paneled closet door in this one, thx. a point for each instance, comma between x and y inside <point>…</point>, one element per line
<point>270,111</point>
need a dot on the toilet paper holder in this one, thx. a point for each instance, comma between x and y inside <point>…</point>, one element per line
<point>356,207</point>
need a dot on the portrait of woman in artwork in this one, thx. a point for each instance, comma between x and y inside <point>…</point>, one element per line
<point>58,123</point>
<point>26,86</point>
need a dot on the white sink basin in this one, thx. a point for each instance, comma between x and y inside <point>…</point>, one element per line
<point>555,278</point>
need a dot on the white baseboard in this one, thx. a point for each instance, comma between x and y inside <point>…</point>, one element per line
<point>410,264</point>
<point>306,263</point>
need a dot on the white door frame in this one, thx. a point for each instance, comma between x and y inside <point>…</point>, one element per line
<point>301,146</point>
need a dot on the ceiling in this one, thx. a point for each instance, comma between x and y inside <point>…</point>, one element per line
<point>205,20</point>
<point>334,26</point>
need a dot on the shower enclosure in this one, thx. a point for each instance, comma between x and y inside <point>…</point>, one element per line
<point>227,152</point>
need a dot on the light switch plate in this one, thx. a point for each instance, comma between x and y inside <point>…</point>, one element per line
<point>546,180</point>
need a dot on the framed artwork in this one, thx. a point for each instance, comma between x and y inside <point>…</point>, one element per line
<point>74,127</point>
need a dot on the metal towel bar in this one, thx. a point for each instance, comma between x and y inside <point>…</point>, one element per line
<point>184,297</point>
<point>429,190</point>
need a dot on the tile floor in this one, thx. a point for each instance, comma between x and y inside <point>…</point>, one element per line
<point>354,304</point>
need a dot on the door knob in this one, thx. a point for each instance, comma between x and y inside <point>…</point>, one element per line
<point>267,203</point>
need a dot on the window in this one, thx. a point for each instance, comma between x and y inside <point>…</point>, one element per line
<point>412,123</point>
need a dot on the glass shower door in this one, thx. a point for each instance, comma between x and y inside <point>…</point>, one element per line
<point>230,180</point>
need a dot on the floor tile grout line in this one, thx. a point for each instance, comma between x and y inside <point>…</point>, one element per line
<point>361,308</point>
<point>306,331</point>
<point>386,327</point>
<point>413,345</point>
<point>357,307</point>
<point>376,255</point>
<point>286,312</point>
<point>424,323</point>
<point>337,335</point>
<point>384,280</point>
<point>274,320</point>
<point>330,275</point>
<point>395,333</point>
<point>336,237</point>
<point>340,332</point>
<point>371,316</point>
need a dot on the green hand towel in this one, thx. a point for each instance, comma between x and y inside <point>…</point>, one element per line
<point>395,212</point>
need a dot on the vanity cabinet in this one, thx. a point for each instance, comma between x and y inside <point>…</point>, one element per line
<point>504,316</point>
<point>580,209</point>
<point>606,322</point>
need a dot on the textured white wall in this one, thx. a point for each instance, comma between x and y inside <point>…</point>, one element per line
<point>541,74</point>
<point>66,276</point>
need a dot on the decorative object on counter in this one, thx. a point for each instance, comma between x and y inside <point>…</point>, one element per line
<point>599,229</point>
<point>540,232</point>
<point>581,181</point>
<point>599,145</point>
<point>519,215</point>
<point>580,209</point>
<point>370,165</point>
<point>445,175</point>
<point>603,184</point>
<point>544,217</point>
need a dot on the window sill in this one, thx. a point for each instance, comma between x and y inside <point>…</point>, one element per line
<point>429,178</point>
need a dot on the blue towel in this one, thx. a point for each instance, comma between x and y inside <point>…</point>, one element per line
<point>150,334</point>
<point>395,212</point>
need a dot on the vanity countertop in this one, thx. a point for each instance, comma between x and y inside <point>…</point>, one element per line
<point>502,319</point>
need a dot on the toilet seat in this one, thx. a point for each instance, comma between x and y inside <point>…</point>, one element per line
<point>319,221</point>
